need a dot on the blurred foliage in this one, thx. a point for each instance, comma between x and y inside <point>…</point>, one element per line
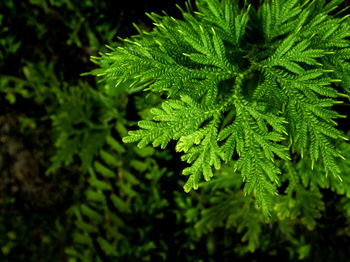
<point>70,190</point>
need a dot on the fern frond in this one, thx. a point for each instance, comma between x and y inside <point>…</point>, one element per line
<point>239,83</point>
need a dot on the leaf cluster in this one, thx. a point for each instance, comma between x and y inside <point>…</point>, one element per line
<point>256,85</point>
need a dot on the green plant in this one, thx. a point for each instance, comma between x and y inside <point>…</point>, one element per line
<point>123,191</point>
<point>247,96</point>
<point>254,86</point>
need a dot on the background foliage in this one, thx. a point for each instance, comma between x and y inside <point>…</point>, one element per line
<point>70,190</point>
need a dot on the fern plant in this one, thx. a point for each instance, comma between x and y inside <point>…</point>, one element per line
<point>123,187</point>
<point>253,85</point>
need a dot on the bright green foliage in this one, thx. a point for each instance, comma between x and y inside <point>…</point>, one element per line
<point>248,96</point>
<point>246,84</point>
